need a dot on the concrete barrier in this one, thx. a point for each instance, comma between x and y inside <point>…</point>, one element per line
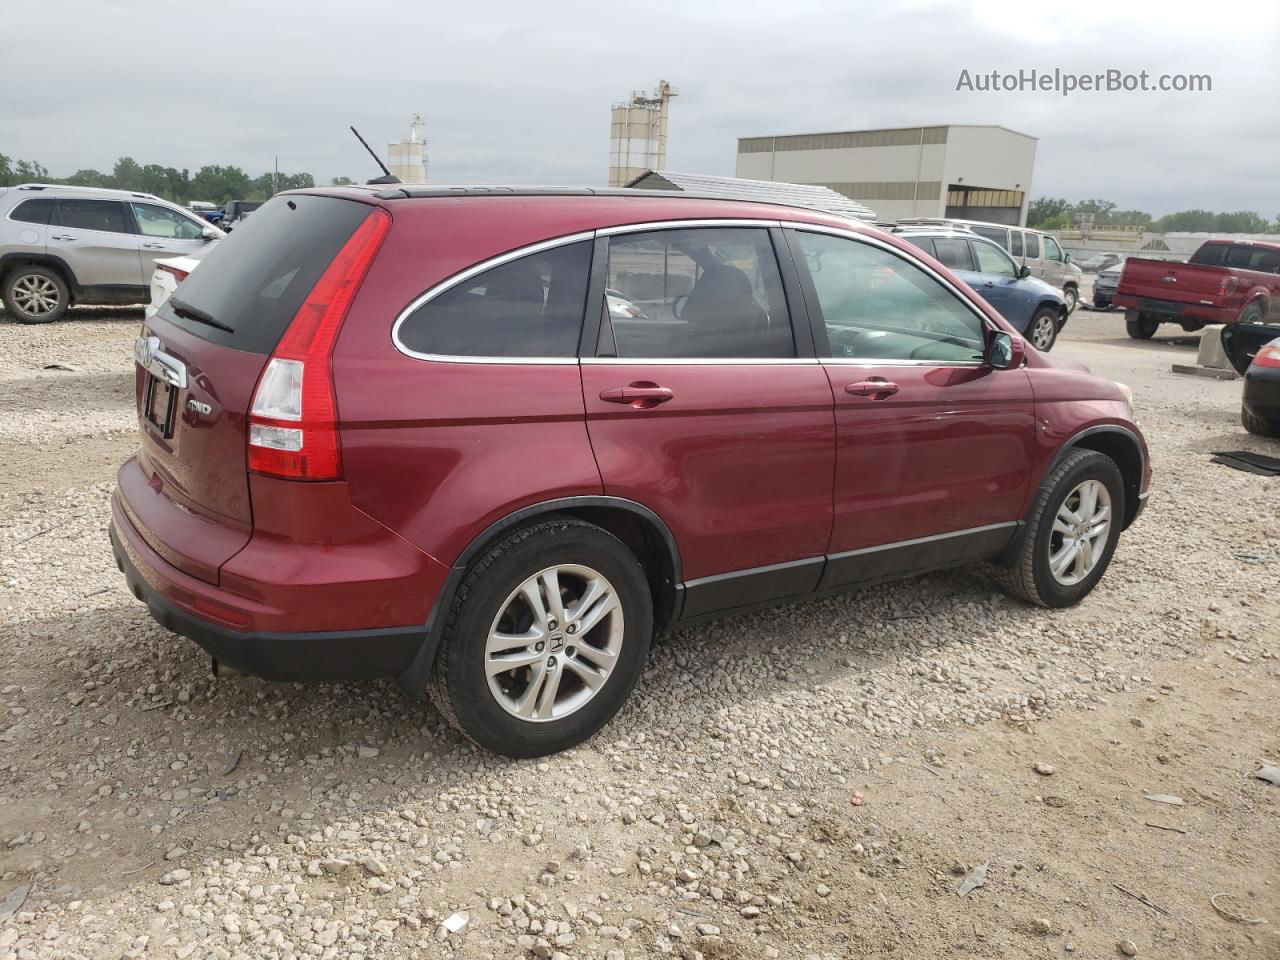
<point>1211,359</point>
<point>1211,354</point>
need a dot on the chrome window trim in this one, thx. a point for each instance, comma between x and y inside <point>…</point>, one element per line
<point>467,274</point>
<point>918,540</point>
<point>987,324</point>
<point>880,362</point>
<point>685,225</point>
<point>689,361</point>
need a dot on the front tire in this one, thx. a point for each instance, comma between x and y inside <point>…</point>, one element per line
<point>1071,534</point>
<point>1042,331</point>
<point>1140,326</point>
<point>546,639</point>
<point>1072,296</point>
<point>35,294</point>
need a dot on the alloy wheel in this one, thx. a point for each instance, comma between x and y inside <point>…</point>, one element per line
<point>1071,297</point>
<point>35,295</point>
<point>1042,334</point>
<point>554,643</point>
<point>1079,536</point>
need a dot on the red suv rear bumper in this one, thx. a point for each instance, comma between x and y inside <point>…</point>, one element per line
<point>269,629</point>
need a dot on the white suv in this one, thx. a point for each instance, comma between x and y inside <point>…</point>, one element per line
<point>63,245</point>
<point>1041,253</point>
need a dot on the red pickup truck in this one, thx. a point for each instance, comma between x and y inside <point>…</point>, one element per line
<point>1225,281</point>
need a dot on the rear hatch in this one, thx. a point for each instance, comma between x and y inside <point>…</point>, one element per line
<point>1174,282</point>
<point>198,363</point>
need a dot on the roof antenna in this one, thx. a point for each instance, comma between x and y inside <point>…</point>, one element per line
<point>389,177</point>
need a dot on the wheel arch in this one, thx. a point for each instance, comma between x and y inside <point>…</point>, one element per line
<point>1122,446</point>
<point>9,261</point>
<point>644,532</point>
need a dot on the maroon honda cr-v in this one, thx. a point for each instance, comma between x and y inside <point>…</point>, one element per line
<point>488,442</point>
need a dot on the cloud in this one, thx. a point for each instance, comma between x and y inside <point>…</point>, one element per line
<point>519,92</point>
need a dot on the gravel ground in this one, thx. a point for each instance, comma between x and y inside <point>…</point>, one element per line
<point>814,781</point>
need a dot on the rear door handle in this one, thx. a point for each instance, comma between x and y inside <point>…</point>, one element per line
<point>875,387</point>
<point>642,394</point>
<point>61,236</point>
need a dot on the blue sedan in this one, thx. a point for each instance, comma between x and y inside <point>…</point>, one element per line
<point>1034,307</point>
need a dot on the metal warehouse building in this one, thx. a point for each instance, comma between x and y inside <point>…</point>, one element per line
<point>969,171</point>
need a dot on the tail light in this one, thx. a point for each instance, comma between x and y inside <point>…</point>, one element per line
<point>1227,285</point>
<point>293,430</point>
<point>178,275</point>
<point>1268,356</point>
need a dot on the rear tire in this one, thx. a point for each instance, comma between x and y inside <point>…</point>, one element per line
<point>1254,313</point>
<point>1042,331</point>
<point>1050,531</point>
<point>1141,326</point>
<point>564,684</point>
<point>35,294</point>
<point>1258,426</point>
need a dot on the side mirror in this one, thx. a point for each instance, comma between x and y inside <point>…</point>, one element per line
<point>1023,272</point>
<point>210,234</point>
<point>1066,257</point>
<point>1004,351</point>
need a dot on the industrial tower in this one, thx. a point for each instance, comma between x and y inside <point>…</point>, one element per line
<point>638,134</point>
<point>409,156</point>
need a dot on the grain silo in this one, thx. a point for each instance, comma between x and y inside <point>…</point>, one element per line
<point>409,156</point>
<point>638,135</point>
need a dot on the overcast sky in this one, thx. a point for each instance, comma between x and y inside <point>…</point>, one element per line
<point>519,90</point>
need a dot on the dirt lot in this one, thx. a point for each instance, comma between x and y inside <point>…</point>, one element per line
<point>810,782</point>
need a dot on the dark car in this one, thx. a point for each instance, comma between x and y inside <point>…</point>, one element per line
<point>400,432</point>
<point>1254,350</point>
<point>1035,308</point>
<point>236,212</point>
<point>1104,286</point>
<point>1101,261</point>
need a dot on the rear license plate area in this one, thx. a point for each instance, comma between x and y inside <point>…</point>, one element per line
<point>159,406</point>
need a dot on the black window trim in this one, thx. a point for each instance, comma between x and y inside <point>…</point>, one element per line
<point>818,325</point>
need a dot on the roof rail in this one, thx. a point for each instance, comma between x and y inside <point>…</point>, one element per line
<point>83,189</point>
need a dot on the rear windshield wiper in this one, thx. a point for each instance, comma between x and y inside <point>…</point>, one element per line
<point>195,313</point>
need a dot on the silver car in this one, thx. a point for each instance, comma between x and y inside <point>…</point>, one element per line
<point>79,245</point>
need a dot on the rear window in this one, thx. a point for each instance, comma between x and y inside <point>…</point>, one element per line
<point>1240,256</point>
<point>254,280</point>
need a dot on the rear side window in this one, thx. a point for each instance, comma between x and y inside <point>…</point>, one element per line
<point>528,307</point>
<point>924,243</point>
<point>105,216</point>
<point>705,293</point>
<point>953,253</point>
<point>1241,256</point>
<point>254,280</point>
<point>999,234</point>
<point>1033,246</point>
<point>1015,242</point>
<point>33,211</point>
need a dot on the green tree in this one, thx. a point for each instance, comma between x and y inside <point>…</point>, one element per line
<point>348,182</point>
<point>127,175</point>
<point>218,184</point>
<point>1043,209</point>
